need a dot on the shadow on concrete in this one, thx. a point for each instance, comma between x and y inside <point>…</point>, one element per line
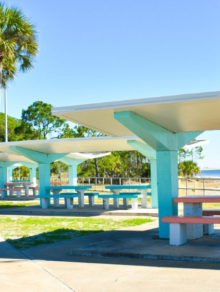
<point>76,211</point>
<point>121,247</point>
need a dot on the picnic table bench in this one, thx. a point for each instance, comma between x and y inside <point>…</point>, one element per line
<point>195,221</point>
<point>68,197</point>
<point>79,189</point>
<point>124,196</point>
<point>178,226</point>
<point>144,189</point>
<point>18,186</point>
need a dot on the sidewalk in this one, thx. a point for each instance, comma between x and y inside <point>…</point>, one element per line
<point>18,273</point>
<point>63,266</point>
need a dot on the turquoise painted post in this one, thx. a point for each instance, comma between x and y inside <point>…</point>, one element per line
<point>3,175</point>
<point>33,175</point>
<point>166,144</point>
<point>154,190</point>
<point>73,174</point>
<point>149,153</point>
<point>73,164</point>
<point>10,173</point>
<point>167,180</point>
<point>44,178</point>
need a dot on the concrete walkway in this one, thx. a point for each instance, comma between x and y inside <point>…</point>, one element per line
<point>134,242</point>
<point>63,266</point>
<point>18,273</point>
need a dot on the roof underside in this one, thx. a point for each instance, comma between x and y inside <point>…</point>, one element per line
<point>78,148</point>
<point>182,113</point>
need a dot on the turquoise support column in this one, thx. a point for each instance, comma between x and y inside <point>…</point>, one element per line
<point>10,173</point>
<point>3,175</point>
<point>73,164</point>
<point>149,153</point>
<point>154,190</point>
<point>44,177</point>
<point>33,175</point>
<point>167,180</point>
<point>166,144</point>
<point>73,174</point>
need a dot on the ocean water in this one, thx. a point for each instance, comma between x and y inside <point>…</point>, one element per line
<point>210,173</point>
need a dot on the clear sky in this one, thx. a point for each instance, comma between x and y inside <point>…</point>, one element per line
<point>103,50</point>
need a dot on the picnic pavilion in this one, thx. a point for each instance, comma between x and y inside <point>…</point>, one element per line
<point>163,125</point>
<point>73,151</point>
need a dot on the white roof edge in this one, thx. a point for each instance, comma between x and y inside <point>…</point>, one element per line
<point>31,142</point>
<point>138,102</point>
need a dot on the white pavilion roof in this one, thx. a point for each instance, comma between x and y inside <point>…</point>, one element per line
<point>179,113</point>
<point>75,148</point>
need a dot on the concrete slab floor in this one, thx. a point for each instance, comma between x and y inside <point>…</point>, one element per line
<point>136,242</point>
<point>52,267</point>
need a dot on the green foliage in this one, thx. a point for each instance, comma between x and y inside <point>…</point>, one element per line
<point>21,173</point>
<point>118,164</point>
<point>78,132</point>
<point>39,119</point>
<point>18,43</point>
<point>58,167</point>
<point>16,130</point>
<point>195,153</point>
<point>188,168</point>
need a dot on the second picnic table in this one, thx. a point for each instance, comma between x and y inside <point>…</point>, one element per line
<point>79,189</point>
<point>25,184</point>
<point>116,189</point>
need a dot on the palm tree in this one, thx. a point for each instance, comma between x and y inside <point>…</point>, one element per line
<point>18,47</point>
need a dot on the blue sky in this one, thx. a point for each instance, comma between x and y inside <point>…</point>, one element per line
<point>103,50</point>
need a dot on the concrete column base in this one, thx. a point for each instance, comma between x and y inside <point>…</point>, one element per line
<point>44,203</point>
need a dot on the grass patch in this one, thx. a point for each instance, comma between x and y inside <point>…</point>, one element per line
<point>24,232</point>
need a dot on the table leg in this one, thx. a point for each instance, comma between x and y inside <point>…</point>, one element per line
<point>144,199</point>
<point>18,193</point>
<point>56,202</point>
<point>45,203</point>
<point>91,201</point>
<point>81,199</point>
<point>134,204</point>
<point>26,190</point>
<point>10,191</point>
<point>106,203</point>
<point>125,202</point>
<point>193,230</point>
<point>116,202</point>
<point>69,204</point>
